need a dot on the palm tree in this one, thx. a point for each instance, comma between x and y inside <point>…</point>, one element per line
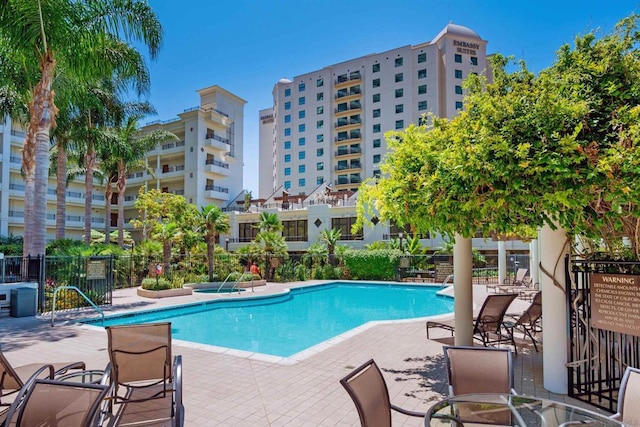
<point>269,222</point>
<point>331,238</point>
<point>166,232</point>
<point>86,40</point>
<point>214,222</point>
<point>269,244</point>
<point>129,152</point>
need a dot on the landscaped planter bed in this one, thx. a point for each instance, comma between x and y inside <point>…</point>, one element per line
<point>178,292</point>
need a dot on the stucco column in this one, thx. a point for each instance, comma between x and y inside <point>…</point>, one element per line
<point>463,290</point>
<point>554,311</point>
<point>533,261</point>
<point>502,261</point>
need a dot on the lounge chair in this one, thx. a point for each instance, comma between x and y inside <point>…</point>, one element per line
<point>478,370</point>
<point>521,273</point>
<point>529,321</point>
<point>141,369</point>
<point>628,409</point>
<point>369,392</point>
<point>488,324</point>
<point>12,379</point>
<point>44,402</point>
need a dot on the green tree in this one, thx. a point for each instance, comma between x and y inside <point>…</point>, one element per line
<point>331,239</point>
<point>80,38</point>
<point>268,244</point>
<point>214,222</point>
<point>269,222</point>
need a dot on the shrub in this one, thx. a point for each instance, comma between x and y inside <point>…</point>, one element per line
<point>155,284</point>
<point>379,264</point>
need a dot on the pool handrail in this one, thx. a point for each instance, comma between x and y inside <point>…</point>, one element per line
<point>225,281</point>
<point>55,294</point>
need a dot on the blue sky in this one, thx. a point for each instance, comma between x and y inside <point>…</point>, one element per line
<point>246,46</point>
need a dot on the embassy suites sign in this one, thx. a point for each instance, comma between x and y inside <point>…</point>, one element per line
<point>466,47</point>
<point>615,302</point>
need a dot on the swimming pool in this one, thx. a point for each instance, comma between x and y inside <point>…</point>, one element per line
<point>286,324</point>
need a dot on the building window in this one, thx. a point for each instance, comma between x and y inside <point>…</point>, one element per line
<point>376,143</point>
<point>474,60</point>
<point>399,93</point>
<point>301,100</point>
<point>302,127</point>
<point>302,168</point>
<point>422,105</point>
<point>287,118</point>
<point>287,105</point>
<point>399,77</point>
<point>295,231</point>
<point>422,89</point>
<point>399,124</point>
<point>399,108</point>
<point>422,120</point>
<point>287,185</point>
<point>287,131</point>
<point>302,141</point>
<point>375,68</point>
<point>398,62</point>
<point>247,231</point>
<point>376,158</point>
<point>458,90</point>
<point>376,112</point>
<point>458,105</point>
<point>302,182</point>
<point>320,152</point>
<point>376,173</point>
<point>457,58</point>
<point>458,74</point>
<point>422,73</point>
<point>301,114</point>
<point>376,128</point>
<point>301,155</point>
<point>301,87</point>
<point>320,82</point>
<point>287,92</point>
<point>287,158</point>
<point>375,83</point>
<point>344,225</point>
<point>287,145</point>
<point>320,138</point>
<point>319,180</point>
<point>319,124</point>
<point>376,97</point>
<point>287,171</point>
<point>320,166</point>
<point>422,57</point>
<point>320,110</point>
<point>319,96</point>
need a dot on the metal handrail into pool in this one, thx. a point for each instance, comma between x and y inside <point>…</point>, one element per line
<point>55,294</point>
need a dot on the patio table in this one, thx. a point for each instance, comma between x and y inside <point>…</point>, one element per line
<point>511,410</point>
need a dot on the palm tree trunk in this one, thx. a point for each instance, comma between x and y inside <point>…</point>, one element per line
<point>108,192</point>
<point>43,111</point>
<point>210,252</point>
<point>122,186</point>
<point>61,190</point>
<point>166,255</point>
<point>90,163</point>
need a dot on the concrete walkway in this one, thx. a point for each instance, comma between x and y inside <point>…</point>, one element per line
<point>231,389</point>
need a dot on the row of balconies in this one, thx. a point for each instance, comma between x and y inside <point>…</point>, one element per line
<point>52,217</point>
<point>53,192</point>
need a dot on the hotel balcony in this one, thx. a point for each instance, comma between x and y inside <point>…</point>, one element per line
<point>217,142</point>
<point>343,94</point>
<point>351,107</point>
<point>216,192</point>
<point>136,177</point>
<point>343,122</point>
<point>344,79</point>
<point>343,165</point>
<point>217,167</point>
<point>168,172</point>
<point>346,151</point>
<point>352,137</point>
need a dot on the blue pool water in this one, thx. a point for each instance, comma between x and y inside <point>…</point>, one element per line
<point>287,324</point>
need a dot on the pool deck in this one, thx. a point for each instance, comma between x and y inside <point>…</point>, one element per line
<point>231,388</point>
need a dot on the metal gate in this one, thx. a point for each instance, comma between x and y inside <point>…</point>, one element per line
<point>597,357</point>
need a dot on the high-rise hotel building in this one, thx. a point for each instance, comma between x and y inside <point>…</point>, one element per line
<point>328,125</point>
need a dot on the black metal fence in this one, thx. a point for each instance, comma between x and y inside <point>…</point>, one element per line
<point>597,357</point>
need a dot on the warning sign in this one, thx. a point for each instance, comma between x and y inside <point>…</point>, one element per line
<point>615,302</point>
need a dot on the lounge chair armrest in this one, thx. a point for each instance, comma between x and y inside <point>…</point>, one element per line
<point>75,365</point>
<point>178,415</point>
<point>408,412</point>
<point>615,416</point>
<point>28,384</point>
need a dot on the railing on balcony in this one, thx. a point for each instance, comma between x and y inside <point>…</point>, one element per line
<point>171,145</point>
<point>217,163</point>
<point>206,110</point>
<point>135,175</point>
<point>171,169</point>
<point>18,133</point>
<point>216,188</point>
<point>14,159</point>
<point>217,138</point>
<point>347,152</point>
